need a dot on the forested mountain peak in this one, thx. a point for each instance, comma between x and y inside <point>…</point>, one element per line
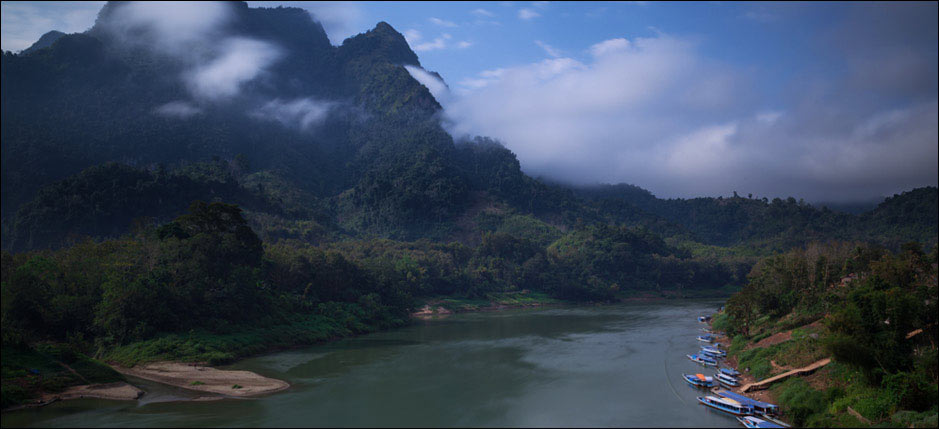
<point>45,41</point>
<point>382,43</point>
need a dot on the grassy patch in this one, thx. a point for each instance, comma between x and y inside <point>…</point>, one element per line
<point>737,344</point>
<point>799,352</point>
<point>756,360</point>
<point>28,372</point>
<point>520,299</point>
<point>517,298</point>
<point>720,322</point>
<point>339,320</point>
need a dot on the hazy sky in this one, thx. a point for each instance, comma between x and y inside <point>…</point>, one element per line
<point>826,101</point>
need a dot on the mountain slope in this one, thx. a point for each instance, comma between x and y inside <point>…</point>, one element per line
<point>341,134</point>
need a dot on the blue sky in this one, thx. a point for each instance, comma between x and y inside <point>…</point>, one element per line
<point>830,101</point>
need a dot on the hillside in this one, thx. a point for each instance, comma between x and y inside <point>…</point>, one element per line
<point>872,311</point>
<point>779,225</point>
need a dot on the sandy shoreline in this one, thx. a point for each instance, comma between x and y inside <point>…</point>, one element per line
<point>206,379</point>
<point>119,391</point>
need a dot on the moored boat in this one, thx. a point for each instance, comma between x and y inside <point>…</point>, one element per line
<point>713,352</point>
<point>704,319</point>
<point>730,371</point>
<point>759,407</point>
<point>756,422</point>
<point>703,360</point>
<point>726,405</point>
<point>707,338</point>
<point>726,380</point>
<point>699,380</point>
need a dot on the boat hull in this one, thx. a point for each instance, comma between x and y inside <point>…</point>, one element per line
<point>723,410</point>
<point>698,383</point>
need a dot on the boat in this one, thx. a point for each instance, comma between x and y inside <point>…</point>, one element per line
<point>756,422</point>
<point>706,338</point>
<point>759,407</point>
<point>703,360</point>
<point>726,405</point>
<point>730,371</point>
<point>699,380</point>
<point>726,380</point>
<point>704,319</point>
<point>713,352</point>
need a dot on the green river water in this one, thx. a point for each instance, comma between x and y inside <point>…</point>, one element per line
<point>616,365</point>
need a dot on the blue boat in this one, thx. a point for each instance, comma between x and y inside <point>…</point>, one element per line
<point>758,406</point>
<point>713,352</point>
<point>703,360</point>
<point>704,319</point>
<point>706,338</point>
<point>726,405</point>
<point>756,422</point>
<point>730,371</point>
<point>726,380</point>
<point>699,380</point>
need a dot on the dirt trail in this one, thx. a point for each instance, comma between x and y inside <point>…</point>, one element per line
<point>763,383</point>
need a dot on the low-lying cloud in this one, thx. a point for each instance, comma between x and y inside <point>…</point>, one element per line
<point>303,113</point>
<point>178,109</point>
<point>239,61</point>
<point>218,63</point>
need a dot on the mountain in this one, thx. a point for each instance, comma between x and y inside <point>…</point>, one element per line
<point>345,123</point>
<point>316,142</point>
<point>45,41</point>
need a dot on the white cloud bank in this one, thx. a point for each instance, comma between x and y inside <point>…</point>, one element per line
<point>657,113</point>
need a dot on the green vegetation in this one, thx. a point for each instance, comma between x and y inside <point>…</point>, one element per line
<point>203,287</point>
<point>872,311</point>
<point>757,226</point>
<point>301,234</point>
<point>45,367</point>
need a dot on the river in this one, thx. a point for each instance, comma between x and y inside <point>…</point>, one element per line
<point>615,365</point>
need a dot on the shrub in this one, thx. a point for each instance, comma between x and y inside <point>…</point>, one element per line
<point>800,401</point>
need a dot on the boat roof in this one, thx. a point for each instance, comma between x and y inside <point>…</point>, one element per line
<point>743,399</point>
<point>701,377</point>
<point>760,423</point>
<point>730,371</point>
<point>728,401</point>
